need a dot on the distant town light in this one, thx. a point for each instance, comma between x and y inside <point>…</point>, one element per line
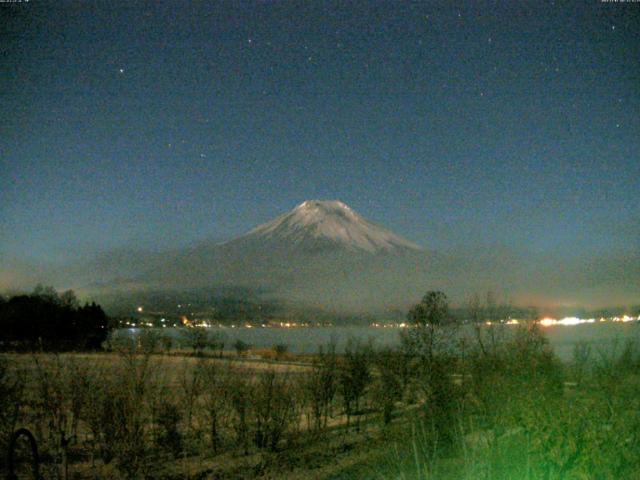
<point>570,321</point>
<point>139,309</point>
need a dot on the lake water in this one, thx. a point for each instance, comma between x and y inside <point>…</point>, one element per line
<point>602,336</point>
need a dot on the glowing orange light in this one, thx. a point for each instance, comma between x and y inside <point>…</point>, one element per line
<point>547,322</point>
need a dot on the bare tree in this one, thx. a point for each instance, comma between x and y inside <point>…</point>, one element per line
<point>215,380</point>
<point>354,377</point>
<point>273,409</point>
<point>61,399</point>
<point>320,385</point>
<point>488,320</point>
<point>239,390</point>
<point>120,398</point>
<point>390,366</point>
<point>191,386</point>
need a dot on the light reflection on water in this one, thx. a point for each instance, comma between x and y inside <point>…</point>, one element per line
<point>562,336</point>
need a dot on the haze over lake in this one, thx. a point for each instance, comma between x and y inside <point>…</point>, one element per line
<point>601,336</point>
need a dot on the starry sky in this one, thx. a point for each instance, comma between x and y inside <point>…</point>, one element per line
<point>460,125</point>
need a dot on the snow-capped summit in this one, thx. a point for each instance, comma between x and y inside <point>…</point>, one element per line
<point>329,222</point>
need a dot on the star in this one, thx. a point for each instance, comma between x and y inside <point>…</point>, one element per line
<point>121,70</point>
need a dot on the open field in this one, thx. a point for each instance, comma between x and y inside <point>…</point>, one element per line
<point>505,409</point>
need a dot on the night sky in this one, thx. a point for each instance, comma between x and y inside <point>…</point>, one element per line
<point>459,125</point>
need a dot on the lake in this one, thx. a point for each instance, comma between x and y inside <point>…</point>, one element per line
<point>602,336</point>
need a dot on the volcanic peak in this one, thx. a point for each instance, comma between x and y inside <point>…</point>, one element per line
<point>334,221</point>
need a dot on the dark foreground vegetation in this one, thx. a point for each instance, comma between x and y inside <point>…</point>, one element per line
<point>495,405</point>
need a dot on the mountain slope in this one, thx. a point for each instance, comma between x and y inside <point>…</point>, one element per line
<point>320,253</point>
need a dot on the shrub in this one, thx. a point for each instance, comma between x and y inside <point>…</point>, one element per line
<point>273,409</point>
<point>241,347</point>
<point>216,342</point>
<point>148,340</point>
<point>195,338</point>
<point>11,401</point>
<point>167,343</point>
<point>168,418</point>
<point>523,365</point>
<point>280,350</point>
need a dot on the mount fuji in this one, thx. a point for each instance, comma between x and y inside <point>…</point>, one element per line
<point>321,253</point>
<point>325,225</point>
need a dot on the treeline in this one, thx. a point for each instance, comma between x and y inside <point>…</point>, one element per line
<point>48,320</point>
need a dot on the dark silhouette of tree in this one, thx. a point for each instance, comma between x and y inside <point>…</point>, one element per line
<point>430,341</point>
<point>427,320</point>
<point>69,299</point>
<point>433,309</point>
<point>49,321</point>
<point>389,385</point>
